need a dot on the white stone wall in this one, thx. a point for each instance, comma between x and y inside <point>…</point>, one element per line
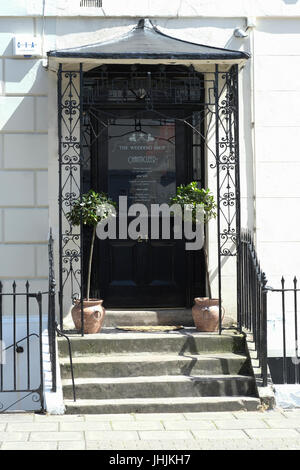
<point>277,118</point>
<point>277,184</point>
<point>269,118</point>
<point>23,161</point>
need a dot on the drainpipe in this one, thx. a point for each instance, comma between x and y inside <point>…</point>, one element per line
<point>253,124</point>
<point>249,31</point>
<point>44,61</point>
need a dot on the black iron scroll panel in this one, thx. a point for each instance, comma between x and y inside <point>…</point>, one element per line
<point>70,118</point>
<point>228,174</point>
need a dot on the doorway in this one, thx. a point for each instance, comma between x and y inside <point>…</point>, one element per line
<point>209,97</point>
<point>144,152</point>
<point>143,155</point>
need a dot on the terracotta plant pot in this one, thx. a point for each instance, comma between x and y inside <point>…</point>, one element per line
<point>93,315</point>
<point>206,314</point>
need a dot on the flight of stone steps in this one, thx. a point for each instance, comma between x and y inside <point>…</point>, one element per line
<point>180,371</point>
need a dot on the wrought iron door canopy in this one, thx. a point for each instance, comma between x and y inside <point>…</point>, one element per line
<point>81,95</point>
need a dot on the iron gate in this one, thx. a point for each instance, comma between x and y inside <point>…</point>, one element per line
<point>21,355</point>
<point>24,325</point>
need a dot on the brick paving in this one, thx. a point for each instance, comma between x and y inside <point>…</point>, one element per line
<point>276,429</point>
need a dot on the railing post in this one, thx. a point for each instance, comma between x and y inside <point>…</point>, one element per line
<point>216,96</point>
<point>284,364</point>
<point>51,313</point>
<point>81,189</point>
<point>41,388</point>
<point>264,333</point>
<point>296,332</point>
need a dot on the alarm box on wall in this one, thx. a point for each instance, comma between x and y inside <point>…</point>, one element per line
<point>27,46</point>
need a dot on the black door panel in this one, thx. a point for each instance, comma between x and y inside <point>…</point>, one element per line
<point>145,159</point>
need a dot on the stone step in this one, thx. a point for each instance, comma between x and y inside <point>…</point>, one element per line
<point>131,365</point>
<point>157,316</point>
<point>162,405</point>
<point>161,386</point>
<point>187,341</point>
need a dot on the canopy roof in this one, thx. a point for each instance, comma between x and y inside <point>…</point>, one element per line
<point>146,41</point>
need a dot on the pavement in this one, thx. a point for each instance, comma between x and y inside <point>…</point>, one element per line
<point>274,429</point>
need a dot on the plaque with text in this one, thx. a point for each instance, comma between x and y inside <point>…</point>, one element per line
<point>141,161</point>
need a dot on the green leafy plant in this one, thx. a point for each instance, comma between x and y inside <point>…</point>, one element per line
<point>192,196</point>
<point>91,209</point>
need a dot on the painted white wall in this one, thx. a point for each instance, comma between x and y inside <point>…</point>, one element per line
<point>277,116</point>
<point>269,119</point>
<point>24,157</point>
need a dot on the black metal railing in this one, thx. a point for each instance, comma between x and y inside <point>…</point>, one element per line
<point>290,348</point>
<point>91,3</point>
<point>53,329</point>
<point>60,333</point>
<point>254,313</point>
<point>21,359</point>
<point>253,298</point>
<point>51,313</point>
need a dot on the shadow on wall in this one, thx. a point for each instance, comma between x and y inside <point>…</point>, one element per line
<point>290,1</point>
<point>217,32</point>
<point>24,77</point>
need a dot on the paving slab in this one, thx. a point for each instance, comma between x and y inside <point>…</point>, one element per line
<point>111,435</point>
<point>56,436</point>
<point>258,414</point>
<point>271,433</point>
<point>161,416</point>
<point>253,423</point>
<point>13,436</point>
<point>86,426</point>
<point>169,435</point>
<point>29,446</point>
<point>283,423</point>
<point>291,413</point>
<point>111,444</point>
<point>17,417</point>
<point>109,417</point>
<point>76,445</point>
<point>175,425</point>
<point>212,415</point>
<point>30,427</point>
<point>219,434</point>
<point>59,418</point>
<point>137,426</point>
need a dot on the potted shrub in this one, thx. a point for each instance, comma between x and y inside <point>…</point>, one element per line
<point>205,310</point>
<point>90,210</point>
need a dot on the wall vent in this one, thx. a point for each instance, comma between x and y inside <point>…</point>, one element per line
<point>91,3</point>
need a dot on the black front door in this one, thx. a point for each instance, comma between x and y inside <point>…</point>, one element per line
<point>144,157</point>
